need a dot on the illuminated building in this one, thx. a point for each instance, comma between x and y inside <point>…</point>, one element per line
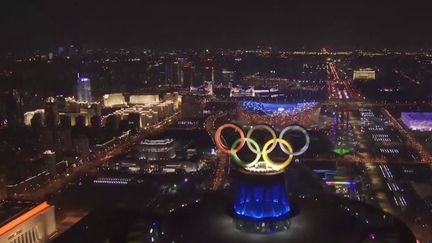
<point>364,74</point>
<point>418,121</point>
<point>178,75</point>
<point>169,72</point>
<point>208,73</point>
<point>50,162</point>
<point>51,113</point>
<point>171,166</point>
<point>228,76</point>
<point>242,92</point>
<point>174,71</point>
<point>26,222</point>
<point>152,150</point>
<point>280,114</point>
<point>83,89</point>
<point>261,201</point>
<point>28,116</point>
<point>204,90</point>
<point>80,113</point>
<point>143,99</point>
<point>173,97</point>
<point>261,204</point>
<point>114,100</point>
<point>147,110</point>
<point>68,115</point>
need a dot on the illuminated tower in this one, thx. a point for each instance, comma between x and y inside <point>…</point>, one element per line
<point>261,203</point>
<point>83,89</point>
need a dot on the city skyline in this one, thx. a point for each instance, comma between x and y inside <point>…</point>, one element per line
<point>222,121</point>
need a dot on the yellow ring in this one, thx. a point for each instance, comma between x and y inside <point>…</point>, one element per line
<point>274,165</point>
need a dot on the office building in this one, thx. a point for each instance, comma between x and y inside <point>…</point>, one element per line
<point>114,100</point>
<point>228,76</point>
<point>51,113</point>
<point>83,89</point>
<point>50,162</point>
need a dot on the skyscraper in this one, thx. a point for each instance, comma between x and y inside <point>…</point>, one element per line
<point>228,76</point>
<point>179,78</point>
<point>51,113</point>
<point>83,89</point>
<point>50,162</point>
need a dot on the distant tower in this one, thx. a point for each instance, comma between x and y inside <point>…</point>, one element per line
<point>50,162</point>
<point>179,76</point>
<point>83,89</point>
<point>169,72</point>
<point>13,107</point>
<point>52,118</point>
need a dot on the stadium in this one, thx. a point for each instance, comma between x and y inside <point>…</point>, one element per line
<point>278,113</point>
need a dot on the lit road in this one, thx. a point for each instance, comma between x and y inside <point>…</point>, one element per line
<point>222,162</point>
<point>338,88</point>
<point>123,146</point>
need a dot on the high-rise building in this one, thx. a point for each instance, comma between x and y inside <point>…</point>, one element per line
<point>178,75</point>
<point>208,73</point>
<point>228,76</point>
<point>52,118</point>
<point>81,144</point>
<point>63,142</point>
<point>50,162</point>
<point>187,70</point>
<point>169,72</point>
<point>83,89</point>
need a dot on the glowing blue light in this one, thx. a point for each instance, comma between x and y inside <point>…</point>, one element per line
<point>277,108</point>
<point>261,202</point>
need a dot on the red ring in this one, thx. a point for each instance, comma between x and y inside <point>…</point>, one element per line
<point>223,147</point>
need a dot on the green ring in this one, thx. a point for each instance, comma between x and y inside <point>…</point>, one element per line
<point>241,162</point>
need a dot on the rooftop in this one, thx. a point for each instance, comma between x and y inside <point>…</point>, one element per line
<point>13,213</point>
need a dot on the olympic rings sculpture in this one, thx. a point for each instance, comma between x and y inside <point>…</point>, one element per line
<point>254,147</point>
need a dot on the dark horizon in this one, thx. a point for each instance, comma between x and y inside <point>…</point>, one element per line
<point>192,24</point>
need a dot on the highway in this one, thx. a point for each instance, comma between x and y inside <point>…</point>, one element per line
<point>221,159</point>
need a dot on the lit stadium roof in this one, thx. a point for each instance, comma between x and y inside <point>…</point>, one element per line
<point>277,108</point>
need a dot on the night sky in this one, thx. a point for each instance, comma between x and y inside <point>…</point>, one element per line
<point>201,24</point>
